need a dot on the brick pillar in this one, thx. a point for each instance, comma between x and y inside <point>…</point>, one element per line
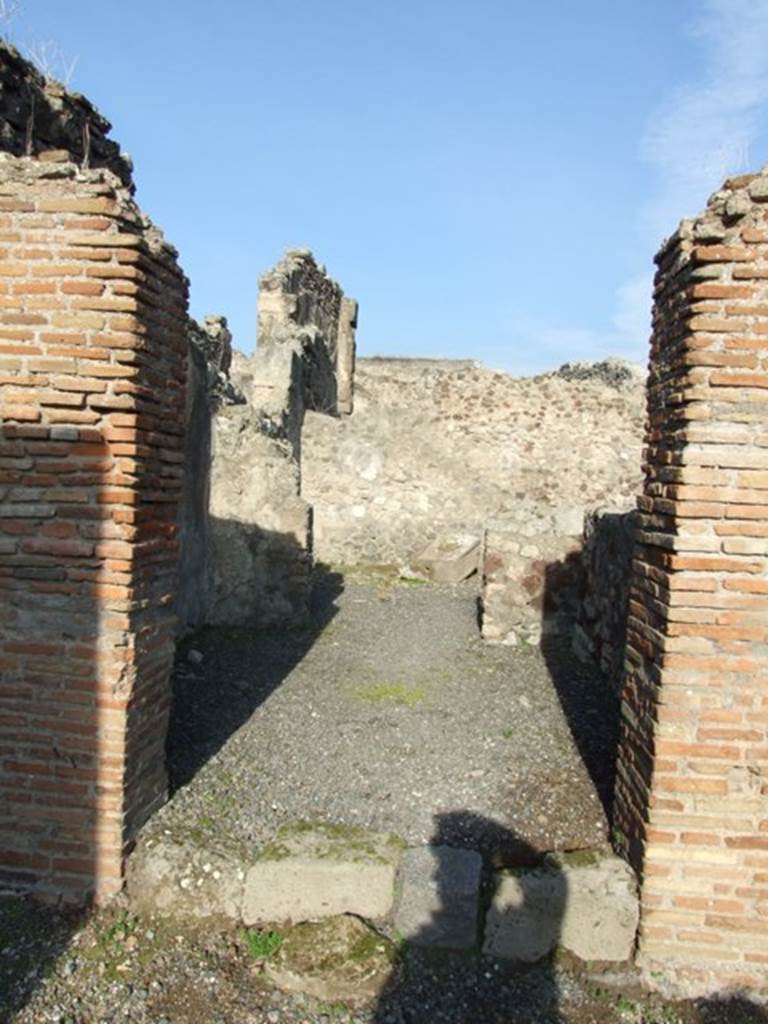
<point>92,363</point>
<point>692,789</point>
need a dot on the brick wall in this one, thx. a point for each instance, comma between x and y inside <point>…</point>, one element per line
<point>92,362</point>
<point>692,790</point>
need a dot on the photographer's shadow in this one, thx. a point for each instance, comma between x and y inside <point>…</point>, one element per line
<point>467,963</point>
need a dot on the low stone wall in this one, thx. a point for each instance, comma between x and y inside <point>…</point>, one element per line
<point>600,627</point>
<point>527,578</point>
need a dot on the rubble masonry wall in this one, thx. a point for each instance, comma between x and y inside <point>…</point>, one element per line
<point>261,539</point>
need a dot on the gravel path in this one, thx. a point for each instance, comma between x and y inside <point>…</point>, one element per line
<point>117,969</point>
<point>390,713</point>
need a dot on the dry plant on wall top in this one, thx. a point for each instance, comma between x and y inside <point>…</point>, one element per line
<point>46,55</point>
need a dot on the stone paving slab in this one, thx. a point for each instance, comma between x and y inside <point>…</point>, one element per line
<point>316,870</point>
<point>590,909</point>
<point>439,896</point>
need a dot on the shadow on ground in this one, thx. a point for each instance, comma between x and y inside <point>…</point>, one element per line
<point>32,937</point>
<point>430,985</point>
<point>222,674</point>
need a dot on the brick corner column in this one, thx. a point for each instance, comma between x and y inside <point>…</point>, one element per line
<point>92,370</point>
<point>691,808</point>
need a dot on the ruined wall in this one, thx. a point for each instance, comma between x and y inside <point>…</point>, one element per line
<point>209,389</point>
<point>300,309</point>
<point>345,356</point>
<point>436,448</point>
<point>692,788</point>
<point>260,525</point>
<point>566,576</point>
<point>41,118</point>
<point>92,369</point>
<point>602,602</point>
<point>528,579</point>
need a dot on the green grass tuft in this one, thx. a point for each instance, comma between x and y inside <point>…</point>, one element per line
<point>261,945</point>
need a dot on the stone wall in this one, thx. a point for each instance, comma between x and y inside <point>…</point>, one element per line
<point>565,578</point>
<point>249,529</point>
<point>345,356</point>
<point>529,580</point>
<point>92,369</point>
<point>602,602</point>
<point>692,788</point>
<point>300,310</point>
<point>209,388</point>
<point>436,448</point>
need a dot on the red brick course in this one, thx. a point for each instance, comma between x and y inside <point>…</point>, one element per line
<point>92,377</point>
<point>692,787</point>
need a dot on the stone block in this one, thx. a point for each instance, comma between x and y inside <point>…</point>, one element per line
<point>589,909</point>
<point>450,559</point>
<point>438,898</point>
<point>314,871</point>
<point>184,880</point>
<point>340,959</point>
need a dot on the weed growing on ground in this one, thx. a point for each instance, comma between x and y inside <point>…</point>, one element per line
<point>644,1013</point>
<point>120,929</point>
<point>261,945</point>
<point>336,1011</point>
<point>395,693</point>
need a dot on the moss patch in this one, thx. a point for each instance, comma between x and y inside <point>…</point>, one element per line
<point>578,858</point>
<point>323,947</point>
<point>328,840</point>
<point>394,693</point>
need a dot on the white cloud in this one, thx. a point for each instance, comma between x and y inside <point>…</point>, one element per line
<point>548,346</point>
<point>706,130</point>
<point>703,133</point>
<point>632,312</point>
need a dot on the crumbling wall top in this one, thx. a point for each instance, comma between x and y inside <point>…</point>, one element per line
<point>740,204</point>
<point>40,117</point>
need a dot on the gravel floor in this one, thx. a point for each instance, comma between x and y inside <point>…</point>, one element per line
<point>391,713</point>
<point>113,968</point>
<point>388,712</point>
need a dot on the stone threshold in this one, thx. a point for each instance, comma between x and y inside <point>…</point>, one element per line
<point>430,896</point>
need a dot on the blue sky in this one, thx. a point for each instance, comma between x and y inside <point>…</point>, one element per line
<point>489,179</point>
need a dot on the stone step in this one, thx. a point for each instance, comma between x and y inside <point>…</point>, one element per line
<point>319,870</point>
<point>589,908</point>
<point>449,559</point>
<point>438,897</point>
<point>427,896</point>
